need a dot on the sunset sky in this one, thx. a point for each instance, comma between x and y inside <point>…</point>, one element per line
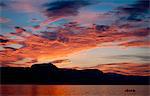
<point>110,35</point>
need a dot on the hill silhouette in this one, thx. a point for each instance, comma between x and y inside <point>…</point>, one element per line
<point>48,73</point>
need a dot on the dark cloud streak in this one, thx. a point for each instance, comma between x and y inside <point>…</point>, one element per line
<point>2,4</point>
<point>66,7</point>
<point>143,58</point>
<point>137,11</point>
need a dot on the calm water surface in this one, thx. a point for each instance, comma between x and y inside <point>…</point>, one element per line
<point>74,90</point>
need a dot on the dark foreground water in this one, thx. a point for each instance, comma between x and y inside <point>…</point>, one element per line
<point>74,90</point>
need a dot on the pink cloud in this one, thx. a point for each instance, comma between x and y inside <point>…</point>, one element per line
<point>4,20</point>
<point>27,5</point>
<point>86,17</point>
<point>51,20</point>
<point>24,7</point>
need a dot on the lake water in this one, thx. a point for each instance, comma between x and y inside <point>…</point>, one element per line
<point>74,90</point>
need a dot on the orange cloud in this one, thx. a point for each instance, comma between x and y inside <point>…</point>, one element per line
<point>136,43</point>
<point>67,41</point>
<point>60,61</point>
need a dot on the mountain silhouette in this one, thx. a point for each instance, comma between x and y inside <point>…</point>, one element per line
<point>48,73</point>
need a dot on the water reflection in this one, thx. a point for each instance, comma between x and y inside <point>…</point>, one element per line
<point>74,90</point>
